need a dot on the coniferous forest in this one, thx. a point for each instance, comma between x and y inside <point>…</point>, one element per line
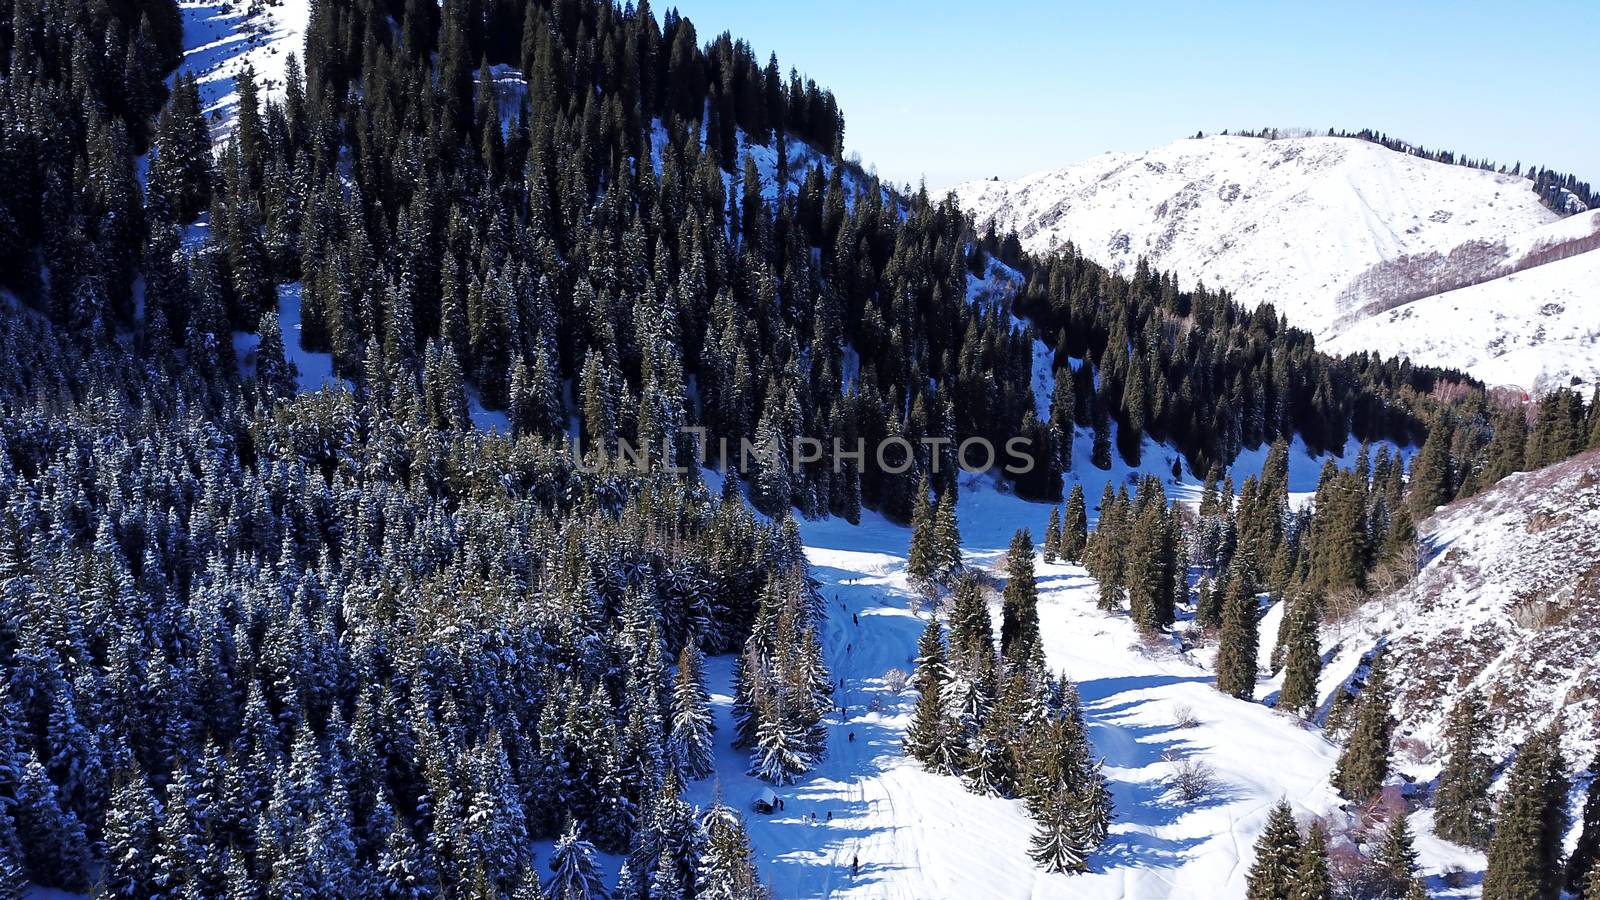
<point>258,642</point>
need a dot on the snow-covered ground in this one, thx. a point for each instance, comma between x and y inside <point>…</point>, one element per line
<point>1508,601</point>
<point>1329,230</point>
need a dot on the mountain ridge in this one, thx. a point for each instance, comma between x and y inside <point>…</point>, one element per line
<point>1323,228</point>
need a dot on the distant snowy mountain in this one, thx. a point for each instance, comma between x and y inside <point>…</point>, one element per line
<point>1329,230</point>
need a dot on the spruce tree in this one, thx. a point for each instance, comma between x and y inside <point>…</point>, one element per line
<point>1059,843</point>
<point>274,373</point>
<point>1581,868</point>
<point>922,559</point>
<point>930,736</point>
<point>1052,536</point>
<point>574,873</point>
<point>1396,856</point>
<point>1364,764</point>
<point>1019,603</point>
<point>726,867</point>
<point>1431,478</point>
<point>1525,853</point>
<point>1303,659</point>
<point>1238,645</point>
<point>1074,526</point>
<point>1311,877</point>
<point>1277,852</point>
<point>689,743</point>
<point>131,825</point>
<point>1461,801</point>
<point>947,535</point>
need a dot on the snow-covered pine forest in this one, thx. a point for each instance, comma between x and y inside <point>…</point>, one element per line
<point>325,570</point>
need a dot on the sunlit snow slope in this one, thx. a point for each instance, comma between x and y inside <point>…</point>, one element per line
<point>1329,230</point>
<point>1539,328</point>
<point>221,37</point>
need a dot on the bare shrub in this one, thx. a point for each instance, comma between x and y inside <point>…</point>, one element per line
<point>1398,569</point>
<point>1413,747</point>
<point>1191,778</point>
<point>895,681</point>
<point>1183,716</point>
<point>1342,604</point>
<point>1354,875</point>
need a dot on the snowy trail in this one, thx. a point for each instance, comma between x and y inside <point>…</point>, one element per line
<point>923,836</point>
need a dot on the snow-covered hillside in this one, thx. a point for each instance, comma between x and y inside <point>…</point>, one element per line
<point>1539,328</point>
<point>1509,602</point>
<point>1329,230</point>
<point>221,37</point>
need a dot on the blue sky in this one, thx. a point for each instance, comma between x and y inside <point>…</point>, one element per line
<point>955,91</point>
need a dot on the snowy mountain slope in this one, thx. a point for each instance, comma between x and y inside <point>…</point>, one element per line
<point>1414,276</point>
<point>1287,221</point>
<point>1538,328</point>
<point>221,37</point>
<point>1329,230</point>
<point>1508,601</point>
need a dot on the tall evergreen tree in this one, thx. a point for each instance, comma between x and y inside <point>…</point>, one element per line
<point>1272,876</point>
<point>930,736</point>
<point>1311,878</point>
<point>1074,526</point>
<point>1364,764</point>
<point>1525,853</point>
<point>1303,660</point>
<point>1019,603</point>
<point>574,873</point>
<point>1581,868</point>
<point>689,742</point>
<point>1238,646</point>
<point>1396,856</point>
<point>1461,801</point>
